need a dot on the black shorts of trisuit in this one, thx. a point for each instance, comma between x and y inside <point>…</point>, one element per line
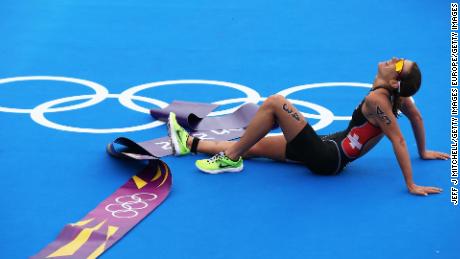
<point>320,156</point>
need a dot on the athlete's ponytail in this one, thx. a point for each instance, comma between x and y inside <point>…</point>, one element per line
<point>410,83</point>
<point>396,99</point>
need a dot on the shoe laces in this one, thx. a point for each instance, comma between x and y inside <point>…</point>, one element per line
<point>216,157</point>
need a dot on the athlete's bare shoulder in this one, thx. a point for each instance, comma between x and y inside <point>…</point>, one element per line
<point>374,103</point>
<point>378,96</point>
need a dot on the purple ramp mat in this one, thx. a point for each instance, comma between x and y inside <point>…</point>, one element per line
<point>238,119</point>
<point>183,110</point>
<point>114,217</point>
<point>139,151</point>
<point>161,147</point>
<point>193,115</point>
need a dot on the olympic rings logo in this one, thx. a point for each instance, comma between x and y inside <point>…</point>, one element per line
<point>126,206</point>
<point>101,93</point>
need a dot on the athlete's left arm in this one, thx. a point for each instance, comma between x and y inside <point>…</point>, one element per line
<point>409,109</point>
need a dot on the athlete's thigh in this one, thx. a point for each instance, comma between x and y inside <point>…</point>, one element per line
<point>273,147</point>
<point>290,120</point>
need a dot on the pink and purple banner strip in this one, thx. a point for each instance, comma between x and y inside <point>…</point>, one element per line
<point>145,191</point>
<point>114,217</point>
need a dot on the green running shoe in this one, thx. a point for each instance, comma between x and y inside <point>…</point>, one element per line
<point>178,136</point>
<point>219,163</point>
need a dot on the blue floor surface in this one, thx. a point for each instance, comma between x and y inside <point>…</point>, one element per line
<point>52,176</point>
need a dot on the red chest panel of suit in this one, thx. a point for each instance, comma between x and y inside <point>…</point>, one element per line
<point>357,138</point>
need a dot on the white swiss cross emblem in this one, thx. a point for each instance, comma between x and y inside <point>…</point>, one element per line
<point>354,143</point>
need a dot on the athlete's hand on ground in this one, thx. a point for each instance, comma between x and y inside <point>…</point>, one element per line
<point>434,155</point>
<point>423,190</point>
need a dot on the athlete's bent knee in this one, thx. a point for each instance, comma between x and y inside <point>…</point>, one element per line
<point>275,100</point>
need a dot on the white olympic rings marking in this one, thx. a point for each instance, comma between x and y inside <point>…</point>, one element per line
<point>38,115</point>
<point>126,206</point>
<point>294,89</point>
<point>125,97</point>
<point>99,95</point>
<point>325,116</point>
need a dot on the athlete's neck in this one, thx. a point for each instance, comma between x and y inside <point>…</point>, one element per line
<point>382,84</point>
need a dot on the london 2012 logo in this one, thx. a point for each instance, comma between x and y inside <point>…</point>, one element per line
<point>127,206</point>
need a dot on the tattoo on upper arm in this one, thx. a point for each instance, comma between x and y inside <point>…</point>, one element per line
<point>294,115</point>
<point>381,114</point>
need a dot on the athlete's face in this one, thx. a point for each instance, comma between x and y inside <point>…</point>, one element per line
<point>392,70</point>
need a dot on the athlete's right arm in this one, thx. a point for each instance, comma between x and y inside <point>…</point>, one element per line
<point>409,109</point>
<point>381,108</point>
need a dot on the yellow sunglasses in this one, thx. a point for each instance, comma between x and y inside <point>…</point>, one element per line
<point>399,66</point>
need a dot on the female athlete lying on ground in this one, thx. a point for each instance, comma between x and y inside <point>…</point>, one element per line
<point>396,80</point>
